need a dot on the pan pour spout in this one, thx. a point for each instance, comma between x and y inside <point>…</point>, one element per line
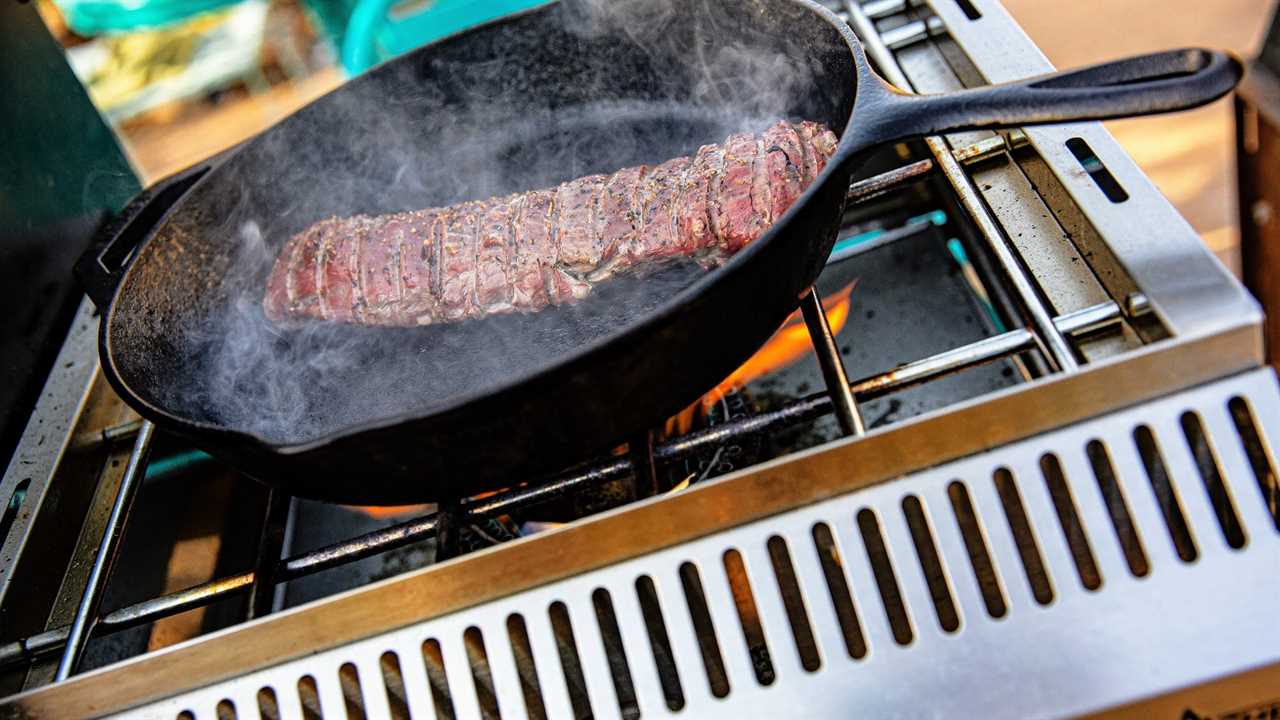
<point>526,251</point>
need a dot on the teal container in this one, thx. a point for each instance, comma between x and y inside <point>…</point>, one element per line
<point>378,30</point>
<point>97,17</point>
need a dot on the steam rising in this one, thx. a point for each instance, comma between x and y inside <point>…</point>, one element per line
<point>638,81</point>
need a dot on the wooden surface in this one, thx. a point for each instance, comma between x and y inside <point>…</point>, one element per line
<point>1260,173</point>
<point>158,149</point>
<point>1190,156</point>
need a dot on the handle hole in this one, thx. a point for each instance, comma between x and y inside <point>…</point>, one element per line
<point>114,257</point>
<point>1147,70</point>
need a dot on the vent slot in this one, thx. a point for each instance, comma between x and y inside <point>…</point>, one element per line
<point>1211,474</point>
<point>226,710</point>
<point>269,705</point>
<point>570,664</point>
<point>1069,519</point>
<point>748,616</point>
<point>886,580</point>
<point>1264,470</point>
<point>927,553</point>
<point>522,651</point>
<point>793,601</point>
<point>1098,172</point>
<point>611,638</point>
<point>1117,509</point>
<point>712,660</point>
<point>352,697</point>
<point>971,12</point>
<point>833,568</point>
<point>441,697</point>
<point>11,509</point>
<point>975,544</point>
<point>481,674</point>
<point>659,642</point>
<point>1184,542</point>
<point>1023,537</point>
<point>309,697</point>
<point>393,683</point>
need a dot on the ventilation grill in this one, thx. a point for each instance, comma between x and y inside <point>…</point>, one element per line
<point>1077,555</point>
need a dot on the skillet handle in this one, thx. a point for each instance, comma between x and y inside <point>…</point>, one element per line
<point>1142,85</point>
<point>103,265</point>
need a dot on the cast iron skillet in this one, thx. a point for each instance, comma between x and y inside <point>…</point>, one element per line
<point>400,415</point>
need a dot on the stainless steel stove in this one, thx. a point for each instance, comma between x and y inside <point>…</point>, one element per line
<point>1028,470</point>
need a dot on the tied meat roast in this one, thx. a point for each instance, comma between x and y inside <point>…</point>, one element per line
<point>524,252</point>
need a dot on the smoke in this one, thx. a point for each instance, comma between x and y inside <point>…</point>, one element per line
<point>730,63</point>
<point>587,86</point>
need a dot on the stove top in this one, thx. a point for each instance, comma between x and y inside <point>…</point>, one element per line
<point>1018,437</point>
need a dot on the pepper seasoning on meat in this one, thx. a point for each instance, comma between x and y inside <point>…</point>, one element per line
<point>524,252</point>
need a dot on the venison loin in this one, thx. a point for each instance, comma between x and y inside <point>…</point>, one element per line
<point>523,252</point>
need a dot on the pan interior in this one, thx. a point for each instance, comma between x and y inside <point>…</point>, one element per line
<point>525,103</point>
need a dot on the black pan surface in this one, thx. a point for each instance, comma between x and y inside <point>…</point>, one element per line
<point>391,415</point>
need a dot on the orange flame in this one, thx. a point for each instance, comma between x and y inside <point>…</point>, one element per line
<point>383,512</point>
<point>787,345</point>
<point>790,343</point>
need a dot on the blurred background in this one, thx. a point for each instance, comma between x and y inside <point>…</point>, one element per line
<point>182,79</point>
<point>179,80</point>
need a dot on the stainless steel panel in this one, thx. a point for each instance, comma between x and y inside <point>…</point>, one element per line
<point>1187,285</point>
<point>1085,651</point>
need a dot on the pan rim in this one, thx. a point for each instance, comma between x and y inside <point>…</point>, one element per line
<point>563,362</point>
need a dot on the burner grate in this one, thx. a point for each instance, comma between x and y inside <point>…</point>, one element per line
<point>1007,344</point>
<point>934,576</point>
<point>1080,324</point>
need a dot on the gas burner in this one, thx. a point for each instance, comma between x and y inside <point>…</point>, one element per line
<point>735,452</point>
<point>1018,416</point>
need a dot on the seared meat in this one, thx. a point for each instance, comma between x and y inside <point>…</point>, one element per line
<point>526,251</point>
